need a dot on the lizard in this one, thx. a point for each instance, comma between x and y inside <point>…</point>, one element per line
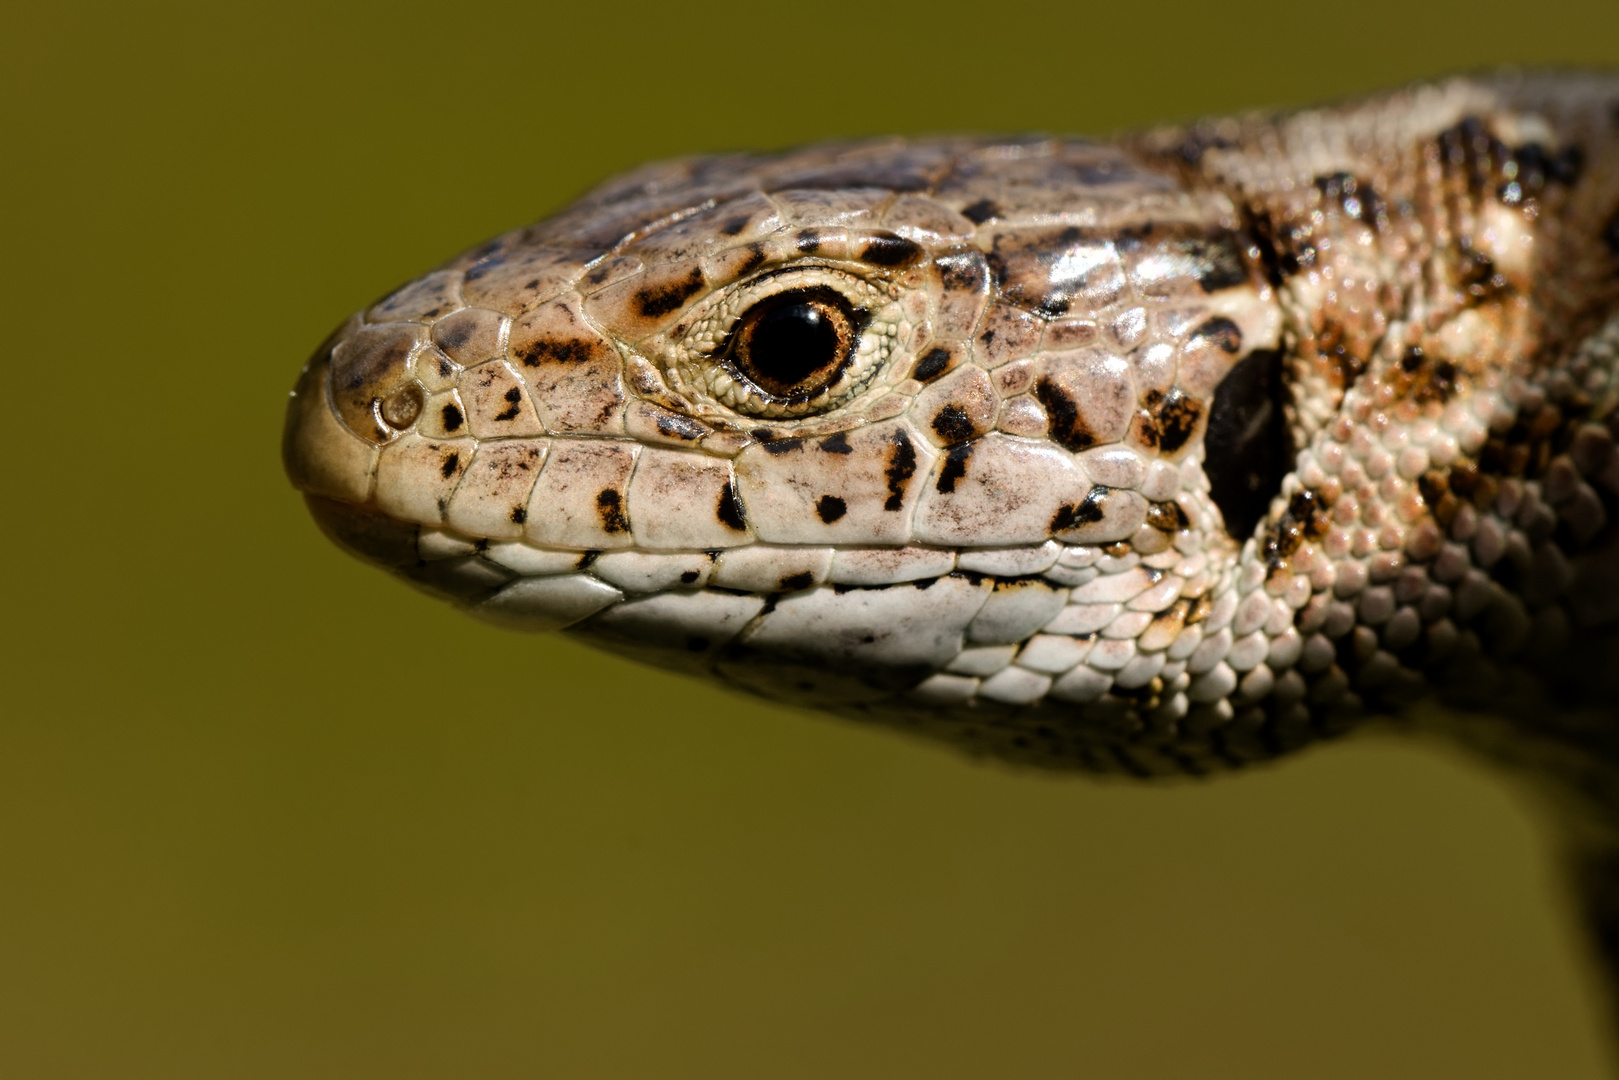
<point>1158,456</point>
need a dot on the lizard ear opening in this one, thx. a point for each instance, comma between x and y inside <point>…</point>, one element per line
<point>1247,451</point>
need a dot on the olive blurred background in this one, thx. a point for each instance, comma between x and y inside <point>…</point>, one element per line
<point>265,813</point>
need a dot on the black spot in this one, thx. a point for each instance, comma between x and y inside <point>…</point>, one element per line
<point>519,515</point>
<point>932,365</point>
<point>515,397</point>
<point>1219,262</point>
<point>830,508</point>
<point>689,577</point>
<point>1355,197</point>
<point>1087,512</point>
<point>763,434</point>
<point>452,418</point>
<point>610,507</point>
<point>680,427</point>
<point>1305,516</point>
<point>793,582</point>
<point>729,509</point>
<point>1412,360</point>
<point>735,225</point>
<point>1610,235</point>
<point>837,443</point>
<point>980,211</point>
<point>1177,419</point>
<point>808,240</point>
<point>778,447</point>
<point>886,249</point>
<point>955,467</point>
<point>451,463</point>
<point>1066,425</point>
<point>1222,332</point>
<point>901,467</point>
<point>953,425</point>
<point>598,273</point>
<point>586,559</point>
<point>1246,450</point>
<point>657,300</point>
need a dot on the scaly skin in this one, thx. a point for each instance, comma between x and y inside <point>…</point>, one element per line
<point>1157,456</point>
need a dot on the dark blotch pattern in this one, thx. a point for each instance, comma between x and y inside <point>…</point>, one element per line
<point>794,582</point>
<point>451,463</point>
<point>452,418</point>
<point>830,508</point>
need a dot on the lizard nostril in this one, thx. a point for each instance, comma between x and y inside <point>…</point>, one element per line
<point>400,409</point>
<point>1247,450</point>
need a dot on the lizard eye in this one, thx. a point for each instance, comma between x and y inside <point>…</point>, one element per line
<point>793,345</point>
<point>789,344</point>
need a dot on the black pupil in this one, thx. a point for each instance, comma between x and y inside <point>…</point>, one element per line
<point>789,344</point>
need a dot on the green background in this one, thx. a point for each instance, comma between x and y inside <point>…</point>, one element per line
<point>264,813</point>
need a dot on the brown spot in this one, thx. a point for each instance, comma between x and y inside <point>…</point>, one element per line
<point>830,508</point>
<point>658,300</point>
<point>1435,491</point>
<point>735,225</point>
<point>610,507</point>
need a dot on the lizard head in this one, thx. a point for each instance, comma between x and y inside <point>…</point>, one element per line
<point>1028,445</point>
